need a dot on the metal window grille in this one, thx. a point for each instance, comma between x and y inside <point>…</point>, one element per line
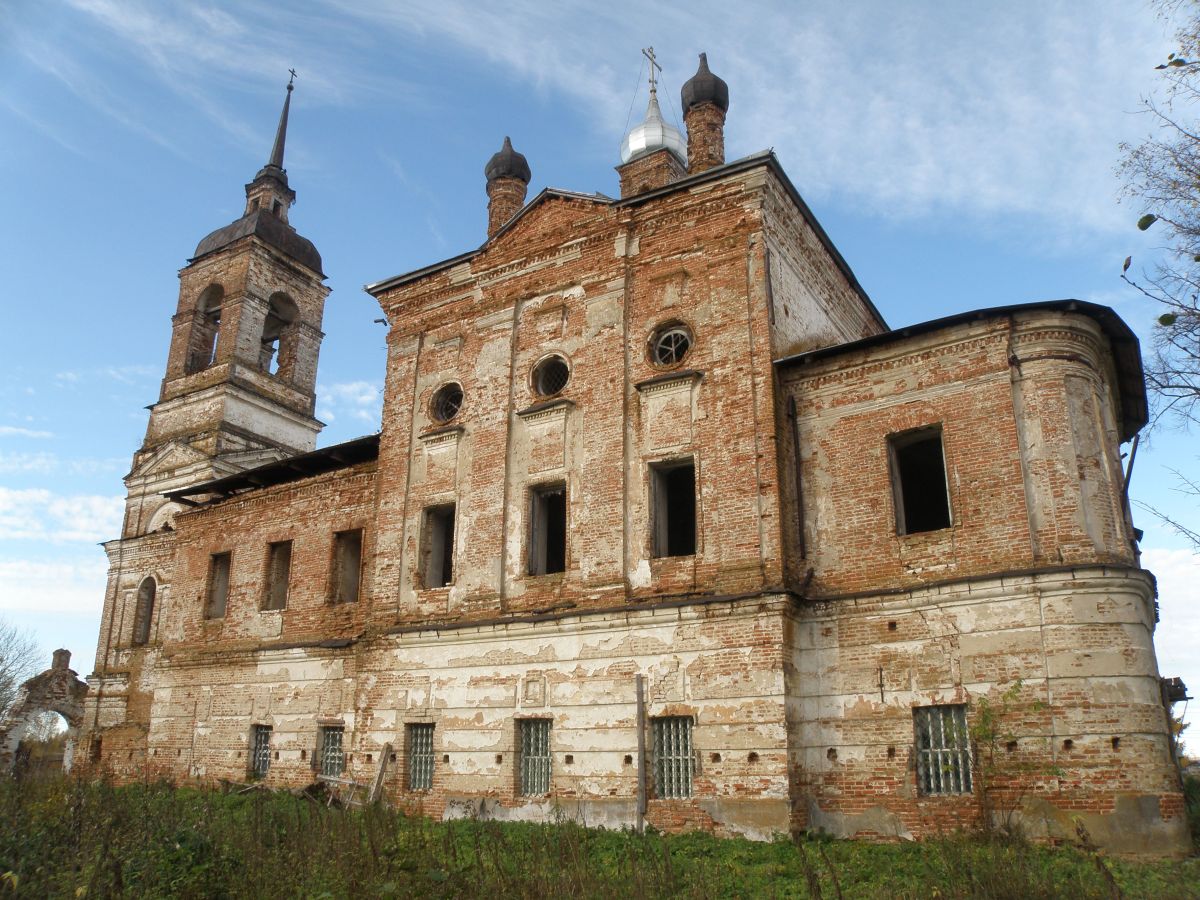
<point>420,757</point>
<point>673,758</point>
<point>534,744</point>
<point>943,749</point>
<point>333,759</point>
<point>260,753</point>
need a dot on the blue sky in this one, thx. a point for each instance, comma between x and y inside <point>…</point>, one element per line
<point>959,155</point>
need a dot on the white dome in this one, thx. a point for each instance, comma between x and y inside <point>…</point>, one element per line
<point>653,134</point>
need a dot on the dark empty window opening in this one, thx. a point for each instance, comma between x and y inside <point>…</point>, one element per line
<point>919,481</point>
<point>673,508</point>
<point>218,585</point>
<point>144,611</point>
<point>276,207</point>
<point>550,376</point>
<point>347,566</point>
<point>548,530</point>
<point>438,546</point>
<point>279,570</point>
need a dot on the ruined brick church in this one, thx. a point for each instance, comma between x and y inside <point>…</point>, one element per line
<point>663,525</point>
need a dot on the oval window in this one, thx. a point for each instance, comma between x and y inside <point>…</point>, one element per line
<point>446,403</point>
<point>551,375</point>
<point>670,344</point>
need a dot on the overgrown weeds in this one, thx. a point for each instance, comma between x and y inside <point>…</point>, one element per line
<point>77,839</point>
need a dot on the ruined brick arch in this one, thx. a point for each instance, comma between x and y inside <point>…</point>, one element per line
<point>277,352</point>
<point>58,690</point>
<point>143,613</point>
<point>206,328</point>
<point>163,518</point>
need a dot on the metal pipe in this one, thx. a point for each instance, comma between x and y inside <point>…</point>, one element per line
<point>641,754</point>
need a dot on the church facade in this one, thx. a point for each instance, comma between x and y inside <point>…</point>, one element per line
<point>663,525</point>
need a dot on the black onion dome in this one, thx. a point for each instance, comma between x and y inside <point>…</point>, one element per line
<point>268,227</point>
<point>508,163</point>
<point>704,87</point>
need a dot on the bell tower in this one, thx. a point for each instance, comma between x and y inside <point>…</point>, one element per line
<point>241,374</point>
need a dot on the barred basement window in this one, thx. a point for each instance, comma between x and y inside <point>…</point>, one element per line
<point>673,761</point>
<point>332,761</point>
<point>260,750</point>
<point>347,565</point>
<point>420,756</point>
<point>533,751</point>
<point>943,749</point>
<point>218,585</point>
<point>919,486</point>
<point>279,570</point>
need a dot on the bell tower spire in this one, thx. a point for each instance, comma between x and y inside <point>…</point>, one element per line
<point>276,160</point>
<point>269,190</point>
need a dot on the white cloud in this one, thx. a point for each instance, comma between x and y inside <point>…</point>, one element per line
<point>18,431</point>
<point>129,374</point>
<point>905,109</point>
<point>40,463</point>
<point>40,514</point>
<point>45,587</point>
<point>358,400</point>
<point>45,463</point>
<point>1178,634</point>
<point>902,109</point>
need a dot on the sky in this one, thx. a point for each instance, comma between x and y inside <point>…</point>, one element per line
<point>959,155</point>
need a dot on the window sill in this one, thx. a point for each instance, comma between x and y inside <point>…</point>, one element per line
<point>547,577</point>
<point>435,591</point>
<point>928,536</point>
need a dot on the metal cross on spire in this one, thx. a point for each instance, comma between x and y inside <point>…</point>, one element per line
<point>291,72</point>
<point>648,52</point>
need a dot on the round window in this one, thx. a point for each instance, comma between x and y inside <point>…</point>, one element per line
<point>670,344</point>
<point>446,403</point>
<point>550,376</point>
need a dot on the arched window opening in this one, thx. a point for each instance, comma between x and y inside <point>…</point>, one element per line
<point>46,742</point>
<point>277,347</point>
<point>206,328</point>
<point>144,611</point>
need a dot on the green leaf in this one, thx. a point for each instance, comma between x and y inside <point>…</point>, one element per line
<point>1146,221</point>
<point>1167,319</point>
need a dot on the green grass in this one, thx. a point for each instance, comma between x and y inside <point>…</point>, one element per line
<point>76,839</point>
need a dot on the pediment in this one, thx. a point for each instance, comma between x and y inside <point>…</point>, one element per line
<point>543,219</point>
<point>169,458</point>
